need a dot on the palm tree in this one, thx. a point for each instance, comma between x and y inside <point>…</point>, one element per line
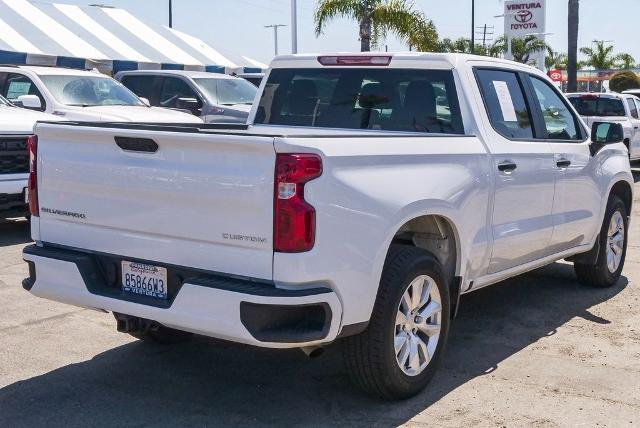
<point>521,48</point>
<point>626,61</point>
<point>572,45</point>
<point>376,18</point>
<point>601,57</point>
<point>460,45</point>
<point>555,60</point>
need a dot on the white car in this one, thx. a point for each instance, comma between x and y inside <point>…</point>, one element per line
<point>612,107</point>
<point>79,95</point>
<point>16,127</point>
<point>370,192</point>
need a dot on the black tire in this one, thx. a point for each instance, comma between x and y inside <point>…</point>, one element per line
<point>370,356</point>
<point>599,275</point>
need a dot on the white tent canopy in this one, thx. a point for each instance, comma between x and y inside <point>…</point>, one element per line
<point>104,37</point>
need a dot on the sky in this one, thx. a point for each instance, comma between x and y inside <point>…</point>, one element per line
<point>238,25</point>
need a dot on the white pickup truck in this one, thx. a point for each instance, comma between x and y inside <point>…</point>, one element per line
<point>369,193</point>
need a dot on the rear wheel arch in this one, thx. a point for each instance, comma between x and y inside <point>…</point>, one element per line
<point>435,233</point>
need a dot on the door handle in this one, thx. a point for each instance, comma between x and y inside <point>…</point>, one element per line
<point>563,163</point>
<point>507,166</point>
<point>144,145</point>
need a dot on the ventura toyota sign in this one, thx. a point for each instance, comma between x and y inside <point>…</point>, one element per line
<point>522,18</point>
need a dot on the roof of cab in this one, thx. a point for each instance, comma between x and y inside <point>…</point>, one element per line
<point>442,60</point>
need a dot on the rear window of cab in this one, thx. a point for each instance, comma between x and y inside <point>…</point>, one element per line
<point>423,101</point>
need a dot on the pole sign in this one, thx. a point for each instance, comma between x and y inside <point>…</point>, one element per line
<point>523,18</point>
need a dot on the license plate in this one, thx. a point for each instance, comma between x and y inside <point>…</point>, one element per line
<point>143,279</point>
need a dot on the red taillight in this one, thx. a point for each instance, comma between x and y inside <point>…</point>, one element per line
<point>294,220</point>
<point>380,60</point>
<point>32,147</point>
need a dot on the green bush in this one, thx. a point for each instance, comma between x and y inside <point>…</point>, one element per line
<point>623,80</point>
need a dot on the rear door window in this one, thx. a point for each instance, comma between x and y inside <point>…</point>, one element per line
<point>384,99</point>
<point>505,102</point>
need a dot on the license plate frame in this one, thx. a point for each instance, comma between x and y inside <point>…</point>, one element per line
<point>144,280</point>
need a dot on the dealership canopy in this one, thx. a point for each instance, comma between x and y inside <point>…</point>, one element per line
<point>105,38</point>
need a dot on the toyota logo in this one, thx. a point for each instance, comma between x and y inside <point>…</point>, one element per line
<point>524,16</point>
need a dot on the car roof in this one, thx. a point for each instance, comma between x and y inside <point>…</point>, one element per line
<point>598,94</point>
<point>186,73</point>
<point>41,70</point>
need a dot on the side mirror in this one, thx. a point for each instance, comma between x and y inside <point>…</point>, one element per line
<point>145,101</point>
<point>31,102</point>
<point>603,133</point>
<point>190,104</point>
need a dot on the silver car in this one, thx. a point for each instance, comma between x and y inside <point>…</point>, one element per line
<point>214,97</point>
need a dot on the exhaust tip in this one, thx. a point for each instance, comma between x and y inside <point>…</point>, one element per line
<point>312,351</point>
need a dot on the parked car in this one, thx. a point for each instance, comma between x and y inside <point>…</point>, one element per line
<point>612,107</point>
<point>634,92</point>
<point>214,97</point>
<point>16,126</point>
<point>80,95</point>
<point>253,78</point>
<point>369,193</point>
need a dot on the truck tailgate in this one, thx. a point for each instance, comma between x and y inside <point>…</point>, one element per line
<point>201,200</point>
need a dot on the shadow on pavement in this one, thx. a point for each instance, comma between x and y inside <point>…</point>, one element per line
<point>636,173</point>
<point>14,232</point>
<point>208,382</point>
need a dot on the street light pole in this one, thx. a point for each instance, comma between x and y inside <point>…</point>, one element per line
<point>294,26</point>
<point>473,26</point>
<point>170,15</point>
<point>275,34</point>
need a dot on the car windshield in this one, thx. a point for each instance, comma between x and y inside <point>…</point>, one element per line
<point>227,91</point>
<point>590,105</point>
<point>89,91</point>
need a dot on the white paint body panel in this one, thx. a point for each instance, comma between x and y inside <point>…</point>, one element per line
<point>200,185</point>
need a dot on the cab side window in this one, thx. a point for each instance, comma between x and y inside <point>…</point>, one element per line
<point>17,85</point>
<point>173,89</point>
<point>142,86</point>
<point>505,102</point>
<point>632,108</point>
<point>559,121</point>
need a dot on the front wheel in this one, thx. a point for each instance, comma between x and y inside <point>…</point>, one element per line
<point>613,248</point>
<point>398,354</point>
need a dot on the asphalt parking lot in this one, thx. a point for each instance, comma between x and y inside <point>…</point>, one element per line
<point>536,350</point>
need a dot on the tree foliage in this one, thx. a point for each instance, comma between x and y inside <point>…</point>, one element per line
<point>555,60</point>
<point>377,18</point>
<point>521,48</point>
<point>602,57</point>
<point>623,80</point>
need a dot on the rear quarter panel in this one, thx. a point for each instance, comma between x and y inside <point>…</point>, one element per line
<point>370,187</point>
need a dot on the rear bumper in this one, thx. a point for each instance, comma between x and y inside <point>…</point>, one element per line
<point>239,310</point>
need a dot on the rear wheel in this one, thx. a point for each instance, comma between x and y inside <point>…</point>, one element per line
<point>613,248</point>
<point>398,354</point>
